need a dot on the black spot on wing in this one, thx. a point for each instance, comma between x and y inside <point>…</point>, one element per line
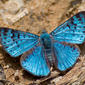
<point>68,25</point>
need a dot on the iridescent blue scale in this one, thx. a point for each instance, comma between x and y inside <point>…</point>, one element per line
<point>41,53</point>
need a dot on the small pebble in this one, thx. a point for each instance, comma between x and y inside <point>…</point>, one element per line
<point>76,83</point>
<point>6,67</point>
<point>83,1</point>
<point>56,79</point>
<point>16,73</point>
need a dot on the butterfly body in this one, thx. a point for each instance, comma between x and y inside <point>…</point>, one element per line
<point>46,42</point>
<point>39,53</point>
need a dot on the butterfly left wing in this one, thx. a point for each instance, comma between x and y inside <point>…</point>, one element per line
<point>34,61</point>
<point>71,31</point>
<point>65,55</point>
<point>17,42</point>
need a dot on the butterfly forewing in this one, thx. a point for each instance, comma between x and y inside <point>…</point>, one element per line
<point>17,42</point>
<point>72,31</point>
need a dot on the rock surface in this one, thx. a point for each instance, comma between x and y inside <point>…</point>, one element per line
<point>47,14</point>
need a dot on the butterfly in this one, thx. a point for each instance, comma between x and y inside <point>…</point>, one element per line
<point>40,53</point>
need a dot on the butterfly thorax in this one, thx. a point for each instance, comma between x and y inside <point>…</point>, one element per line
<point>46,41</point>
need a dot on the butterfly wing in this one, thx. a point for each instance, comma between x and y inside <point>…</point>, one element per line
<point>65,55</point>
<point>72,31</point>
<point>17,42</point>
<point>34,61</point>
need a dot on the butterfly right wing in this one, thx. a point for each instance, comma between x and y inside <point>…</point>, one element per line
<point>34,61</point>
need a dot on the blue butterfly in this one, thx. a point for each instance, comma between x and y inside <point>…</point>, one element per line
<point>41,52</point>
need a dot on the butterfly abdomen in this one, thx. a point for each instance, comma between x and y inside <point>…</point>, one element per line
<point>49,56</point>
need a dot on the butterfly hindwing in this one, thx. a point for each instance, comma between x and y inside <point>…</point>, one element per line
<point>65,55</point>
<point>17,42</point>
<point>34,62</point>
<point>72,31</point>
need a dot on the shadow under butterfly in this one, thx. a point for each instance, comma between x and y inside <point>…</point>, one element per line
<point>40,53</point>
